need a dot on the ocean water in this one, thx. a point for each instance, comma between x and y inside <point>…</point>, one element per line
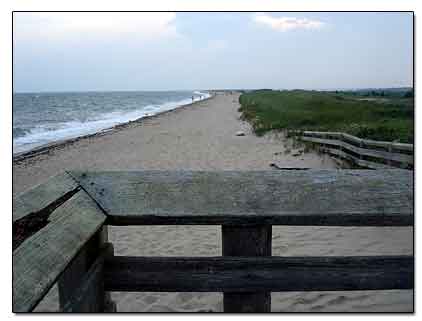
<point>42,118</point>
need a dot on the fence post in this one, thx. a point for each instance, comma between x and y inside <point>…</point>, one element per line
<point>247,241</point>
<point>390,150</point>
<point>70,281</point>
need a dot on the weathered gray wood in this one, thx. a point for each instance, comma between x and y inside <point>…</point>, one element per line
<point>241,241</point>
<point>54,190</point>
<point>374,143</point>
<point>88,296</point>
<point>250,274</point>
<point>70,279</point>
<point>357,141</point>
<point>402,147</point>
<point>403,158</point>
<point>357,161</point>
<point>88,293</point>
<point>71,282</point>
<point>322,134</point>
<point>40,260</point>
<point>107,251</point>
<point>313,197</point>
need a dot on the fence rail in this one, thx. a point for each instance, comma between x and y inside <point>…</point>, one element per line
<point>257,274</point>
<point>363,152</point>
<point>73,250</point>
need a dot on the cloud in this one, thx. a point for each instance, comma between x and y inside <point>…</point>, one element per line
<point>61,25</point>
<point>284,24</point>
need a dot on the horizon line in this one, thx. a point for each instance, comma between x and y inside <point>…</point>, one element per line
<point>210,89</point>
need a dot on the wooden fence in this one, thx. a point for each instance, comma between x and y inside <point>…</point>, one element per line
<point>363,152</point>
<point>73,209</point>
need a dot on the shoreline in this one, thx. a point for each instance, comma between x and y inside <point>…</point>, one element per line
<point>59,144</point>
<point>204,137</point>
<point>198,136</point>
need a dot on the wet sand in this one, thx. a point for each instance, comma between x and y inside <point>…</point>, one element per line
<point>202,136</point>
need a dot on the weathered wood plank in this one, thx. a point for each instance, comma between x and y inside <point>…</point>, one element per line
<point>88,293</point>
<point>357,161</point>
<point>43,195</point>
<point>88,297</point>
<point>313,197</point>
<point>40,260</point>
<point>403,158</point>
<point>71,281</point>
<point>322,134</point>
<point>358,141</point>
<point>254,274</point>
<point>247,241</point>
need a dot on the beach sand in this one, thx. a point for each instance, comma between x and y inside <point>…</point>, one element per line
<point>202,136</point>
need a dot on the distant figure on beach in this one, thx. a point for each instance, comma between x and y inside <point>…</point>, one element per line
<point>192,98</point>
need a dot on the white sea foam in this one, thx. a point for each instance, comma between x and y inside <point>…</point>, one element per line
<point>44,134</point>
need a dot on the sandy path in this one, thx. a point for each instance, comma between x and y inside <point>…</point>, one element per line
<point>202,137</point>
<point>198,137</point>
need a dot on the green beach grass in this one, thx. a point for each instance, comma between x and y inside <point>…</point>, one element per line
<point>380,116</point>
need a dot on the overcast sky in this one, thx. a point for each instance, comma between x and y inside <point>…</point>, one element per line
<point>170,51</point>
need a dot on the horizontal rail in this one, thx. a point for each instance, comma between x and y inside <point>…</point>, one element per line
<point>44,195</point>
<point>358,141</point>
<point>346,144</point>
<point>403,158</point>
<point>75,205</point>
<point>313,197</point>
<point>251,274</point>
<point>356,160</point>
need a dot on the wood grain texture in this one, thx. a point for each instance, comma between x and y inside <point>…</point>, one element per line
<point>254,274</point>
<point>87,292</point>
<point>313,197</point>
<point>71,282</point>
<point>43,195</point>
<point>41,259</point>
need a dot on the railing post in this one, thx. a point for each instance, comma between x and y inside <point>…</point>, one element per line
<point>247,241</point>
<point>74,276</point>
<point>390,150</point>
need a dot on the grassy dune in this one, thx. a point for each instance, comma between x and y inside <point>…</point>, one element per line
<point>386,117</point>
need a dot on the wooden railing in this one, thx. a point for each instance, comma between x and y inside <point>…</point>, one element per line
<point>362,152</point>
<point>71,247</point>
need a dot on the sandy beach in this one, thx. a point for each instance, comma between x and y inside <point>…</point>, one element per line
<point>202,136</point>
